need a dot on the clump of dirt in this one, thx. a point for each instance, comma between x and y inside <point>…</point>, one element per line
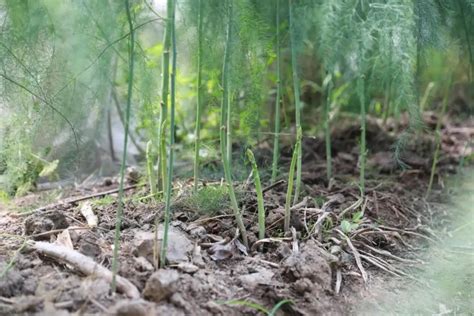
<point>341,240</point>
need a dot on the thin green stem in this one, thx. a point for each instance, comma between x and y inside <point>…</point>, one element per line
<point>150,158</point>
<point>224,121</point>
<point>276,139</point>
<point>438,138</point>
<point>388,101</point>
<point>258,189</point>
<point>327,129</point>
<point>164,245</point>
<point>119,215</point>
<point>296,88</point>
<point>291,176</point>
<point>233,199</point>
<point>164,96</point>
<point>363,149</point>
<point>199,99</point>
<point>229,126</point>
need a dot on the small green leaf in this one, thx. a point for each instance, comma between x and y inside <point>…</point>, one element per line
<point>346,226</point>
<point>278,306</point>
<point>357,217</point>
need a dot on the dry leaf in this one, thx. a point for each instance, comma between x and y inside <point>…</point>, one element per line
<point>64,239</point>
<point>88,213</point>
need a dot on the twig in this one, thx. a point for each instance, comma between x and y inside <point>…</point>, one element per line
<point>377,264</point>
<point>350,208</point>
<point>274,185</point>
<point>84,264</point>
<point>54,231</point>
<point>338,281</point>
<point>81,198</point>
<point>356,255</point>
<point>407,232</point>
<point>390,255</point>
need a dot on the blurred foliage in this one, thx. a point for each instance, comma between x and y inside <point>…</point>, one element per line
<point>64,71</point>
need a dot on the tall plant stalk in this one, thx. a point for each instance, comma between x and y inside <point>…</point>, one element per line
<point>291,177</point>
<point>259,191</point>
<point>164,95</point>
<point>438,138</point>
<point>224,120</point>
<point>363,149</point>
<point>229,125</point>
<point>276,139</point>
<point>296,88</point>
<point>327,129</point>
<point>199,99</point>
<point>150,158</point>
<point>119,215</point>
<point>164,245</point>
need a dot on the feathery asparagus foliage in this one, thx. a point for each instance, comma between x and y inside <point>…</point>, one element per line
<point>119,216</point>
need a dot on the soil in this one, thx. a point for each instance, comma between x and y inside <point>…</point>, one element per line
<point>342,244</point>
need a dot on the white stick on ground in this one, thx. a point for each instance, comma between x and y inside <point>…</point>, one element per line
<point>84,264</point>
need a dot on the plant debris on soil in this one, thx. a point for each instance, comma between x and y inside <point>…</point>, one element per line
<point>340,244</point>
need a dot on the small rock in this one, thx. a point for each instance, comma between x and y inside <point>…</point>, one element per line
<point>303,285</point>
<point>132,308</point>
<point>196,231</point>
<point>11,283</point>
<point>252,280</point>
<point>96,288</point>
<point>188,267</point>
<point>161,285</point>
<point>179,246</point>
<point>214,308</point>
<point>37,224</point>
<point>310,263</point>
<point>143,264</point>
<point>90,249</point>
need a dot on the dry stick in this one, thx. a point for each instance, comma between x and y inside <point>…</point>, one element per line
<point>387,265</point>
<point>407,232</point>
<point>390,255</point>
<point>337,288</point>
<point>379,265</point>
<point>274,185</point>
<point>356,256</point>
<point>81,198</point>
<point>84,264</point>
<point>350,208</point>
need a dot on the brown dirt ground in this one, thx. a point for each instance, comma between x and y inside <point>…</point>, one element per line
<point>317,268</point>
